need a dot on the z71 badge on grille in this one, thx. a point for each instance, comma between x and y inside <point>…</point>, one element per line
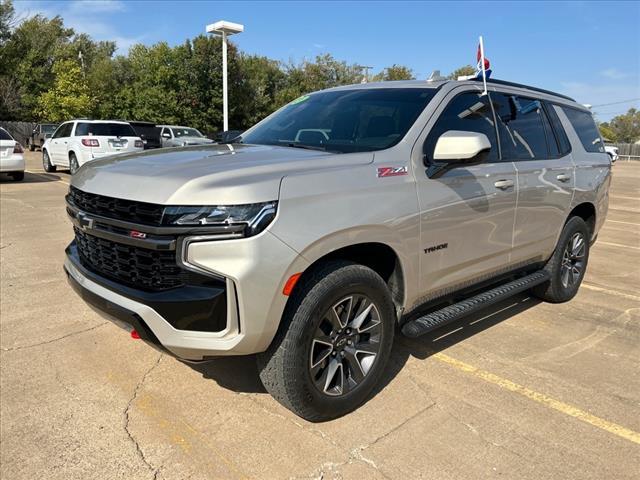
<point>136,234</point>
<point>392,171</point>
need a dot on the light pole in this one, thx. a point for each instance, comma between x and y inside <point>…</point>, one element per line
<point>225,29</point>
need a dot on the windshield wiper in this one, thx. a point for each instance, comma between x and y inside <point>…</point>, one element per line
<point>306,147</point>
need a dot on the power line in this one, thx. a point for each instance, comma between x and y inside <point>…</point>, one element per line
<point>616,103</point>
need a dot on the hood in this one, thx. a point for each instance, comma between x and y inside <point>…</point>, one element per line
<point>205,175</point>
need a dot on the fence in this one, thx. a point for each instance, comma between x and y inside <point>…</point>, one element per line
<point>21,131</point>
<point>628,151</point>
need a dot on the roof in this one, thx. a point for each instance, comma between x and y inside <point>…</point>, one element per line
<point>438,84</point>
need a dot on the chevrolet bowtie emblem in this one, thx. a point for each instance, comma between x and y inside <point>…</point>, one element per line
<point>85,222</point>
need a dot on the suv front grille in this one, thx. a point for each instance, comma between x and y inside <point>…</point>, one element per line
<point>140,268</point>
<point>126,210</point>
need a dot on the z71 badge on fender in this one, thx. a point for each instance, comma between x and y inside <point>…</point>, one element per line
<point>392,171</point>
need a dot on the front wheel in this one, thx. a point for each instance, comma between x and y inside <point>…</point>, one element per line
<point>568,263</point>
<point>333,344</point>
<point>46,162</point>
<point>73,164</point>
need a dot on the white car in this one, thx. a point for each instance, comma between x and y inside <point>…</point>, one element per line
<point>612,151</point>
<point>11,156</point>
<point>77,142</point>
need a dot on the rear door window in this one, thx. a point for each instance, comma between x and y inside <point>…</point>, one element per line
<point>561,136</point>
<point>4,135</point>
<point>521,127</point>
<point>64,130</point>
<point>582,122</point>
<point>468,112</point>
<point>105,129</point>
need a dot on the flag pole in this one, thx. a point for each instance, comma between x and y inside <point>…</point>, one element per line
<point>484,73</point>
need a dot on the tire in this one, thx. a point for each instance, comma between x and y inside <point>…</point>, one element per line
<point>46,162</point>
<point>73,164</point>
<point>321,380</point>
<point>568,263</point>
<point>18,176</point>
<point>32,147</point>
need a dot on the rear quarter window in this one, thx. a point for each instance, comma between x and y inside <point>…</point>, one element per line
<point>589,135</point>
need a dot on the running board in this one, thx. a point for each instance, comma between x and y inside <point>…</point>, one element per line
<point>451,313</point>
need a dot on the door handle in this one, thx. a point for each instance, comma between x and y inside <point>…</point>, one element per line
<point>503,184</point>
<point>563,178</point>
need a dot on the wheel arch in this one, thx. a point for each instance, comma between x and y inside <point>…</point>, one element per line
<point>380,257</point>
<point>586,211</point>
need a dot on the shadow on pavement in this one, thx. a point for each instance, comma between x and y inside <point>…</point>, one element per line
<point>31,178</point>
<point>240,374</point>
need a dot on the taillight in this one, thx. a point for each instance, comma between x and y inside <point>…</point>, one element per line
<point>90,142</point>
<point>18,148</point>
<point>139,144</point>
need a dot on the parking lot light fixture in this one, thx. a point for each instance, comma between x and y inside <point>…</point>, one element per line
<point>225,29</point>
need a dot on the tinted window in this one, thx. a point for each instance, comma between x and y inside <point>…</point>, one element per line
<point>345,120</point>
<point>582,122</point>
<point>64,130</point>
<point>468,112</point>
<point>105,129</point>
<point>552,144</point>
<point>520,123</point>
<point>48,128</point>
<point>558,129</point>
<point>4,135</point>
<point>146,130</point>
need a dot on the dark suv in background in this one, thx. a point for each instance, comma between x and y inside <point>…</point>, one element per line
<point>149,133</point>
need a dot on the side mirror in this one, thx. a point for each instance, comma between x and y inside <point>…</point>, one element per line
<point>457,147</point>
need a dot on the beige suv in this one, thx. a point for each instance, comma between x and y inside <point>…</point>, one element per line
<point>342,216</point>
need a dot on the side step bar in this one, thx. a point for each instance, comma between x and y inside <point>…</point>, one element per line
<point>451,313</point>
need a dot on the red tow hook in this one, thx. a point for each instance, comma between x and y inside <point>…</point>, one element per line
<point>135,335</point>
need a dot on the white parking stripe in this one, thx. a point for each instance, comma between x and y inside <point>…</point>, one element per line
<point>595,288</point>
<point>44,175</point>
<point>616,245</point>
<point>626,223</point>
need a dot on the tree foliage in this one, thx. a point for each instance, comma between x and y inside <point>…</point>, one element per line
<point>43,78</point>
<point>623,128</point>
<point>69,95</point>
<point>462,72</point>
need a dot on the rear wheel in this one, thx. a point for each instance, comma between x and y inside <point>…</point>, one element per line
<point>46,162</point>
<point>568,264</point>
<point>18,176</point>
<point>73,163</point>
<point>333,344</point>
<point>32,147</point>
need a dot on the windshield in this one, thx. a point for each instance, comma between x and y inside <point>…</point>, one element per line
<point>344,121</point>
<point>48,128</point>
<point>4,135</point>
<point>105,129</point>
<point>186,132</point>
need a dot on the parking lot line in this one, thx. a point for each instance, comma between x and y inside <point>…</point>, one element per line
<point>617,245</point>
<point>626,223</point>
<point>596,288</point>
<point>542,399</point>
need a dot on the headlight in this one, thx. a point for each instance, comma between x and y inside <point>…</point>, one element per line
<point>257,216</point>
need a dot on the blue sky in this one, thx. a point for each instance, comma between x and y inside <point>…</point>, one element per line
<point>589,50</point>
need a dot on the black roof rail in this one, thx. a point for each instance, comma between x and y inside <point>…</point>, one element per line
<point>520,85</point>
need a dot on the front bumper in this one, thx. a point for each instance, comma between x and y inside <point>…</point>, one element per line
<point>155,315</point>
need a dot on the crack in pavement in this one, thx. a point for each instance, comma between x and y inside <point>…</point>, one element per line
<point>45,342</point>
<point>356,453</point>
<point>154,471</point>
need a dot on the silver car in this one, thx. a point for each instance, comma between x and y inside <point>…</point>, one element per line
<point>176,136</point>
<point>345,214</point>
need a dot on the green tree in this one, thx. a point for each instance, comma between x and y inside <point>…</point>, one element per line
<point>69,96</point>
<point>394,72</point>
<point>607,132</point>
<point>7,20</point>
<point>626,127</point>
<point>461,72</point>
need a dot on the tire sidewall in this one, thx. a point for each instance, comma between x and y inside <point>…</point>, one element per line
<point>574,225</point>
<point>46,161</point>
<point>300,324</point>
<point>73,164</point>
